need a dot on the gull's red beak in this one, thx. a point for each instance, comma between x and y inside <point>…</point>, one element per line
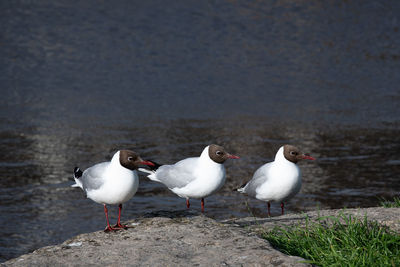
<point>307,156</point>
<point>230,156</point>
<point>144,162</point>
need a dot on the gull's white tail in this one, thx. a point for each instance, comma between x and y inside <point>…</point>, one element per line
<point>77,174</point>
<point>146,170</point>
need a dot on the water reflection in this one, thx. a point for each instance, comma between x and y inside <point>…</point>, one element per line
<point>18,165</point>
<point>357,160</point>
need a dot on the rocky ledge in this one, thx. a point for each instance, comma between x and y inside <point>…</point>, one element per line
<point>184,239</point>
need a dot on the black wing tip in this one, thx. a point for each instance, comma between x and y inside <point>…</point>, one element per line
<point>77,172</point>
<point>155,167</point>
<point>240,187</point>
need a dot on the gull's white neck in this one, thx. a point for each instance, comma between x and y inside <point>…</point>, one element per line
<point>116,164</point>
<point>204,154</point>
<point>205,157</point>
<point>115,159</point>
<point>280,157</point>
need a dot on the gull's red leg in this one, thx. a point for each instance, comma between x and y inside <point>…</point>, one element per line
<point>108,228</point>
<point>269,209</point>
<point>282,207</point>
<point>187,203</point>
<point>202,205</point>
<point>119,225</point>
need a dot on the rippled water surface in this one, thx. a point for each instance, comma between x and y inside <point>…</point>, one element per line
<point>80,80</point>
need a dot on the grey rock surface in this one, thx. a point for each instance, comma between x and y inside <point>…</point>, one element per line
<point>389,217</point>
<point>186,239</point>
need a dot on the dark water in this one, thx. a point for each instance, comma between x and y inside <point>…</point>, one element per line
<point>80,80</point>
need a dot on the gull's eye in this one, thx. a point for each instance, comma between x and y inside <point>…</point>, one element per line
<point>219,153</point>
<point>130,158</point>
<point>293,153</point>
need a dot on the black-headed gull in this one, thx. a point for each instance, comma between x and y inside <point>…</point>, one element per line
<point>279,180</point>
<point>113,182</point>
<point>196,177</point>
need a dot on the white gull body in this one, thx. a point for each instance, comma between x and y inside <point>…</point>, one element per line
<point>275,181</point>
<point>279,180</point>
<point>113,182</point>
<point>109,182</point>
<point>196,177</point>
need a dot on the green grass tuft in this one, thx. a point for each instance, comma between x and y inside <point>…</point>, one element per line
<point>339,241</point>
<point>391,204</point>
